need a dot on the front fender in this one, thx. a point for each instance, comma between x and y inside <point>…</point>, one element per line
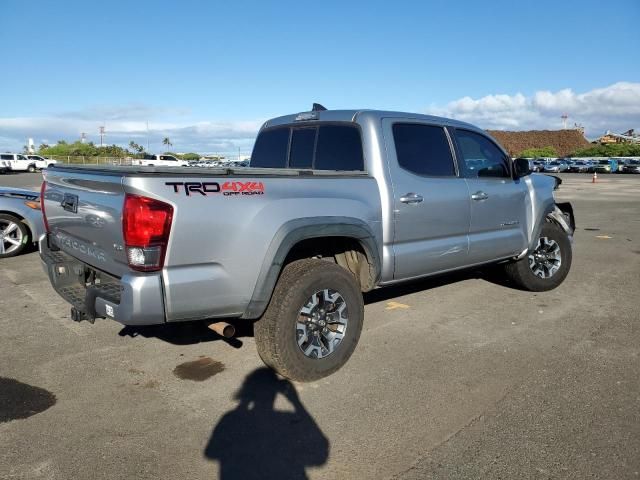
<point>560,214</point>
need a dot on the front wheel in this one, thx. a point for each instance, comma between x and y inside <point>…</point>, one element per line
<point>547,265</point>
<point>313,322</point>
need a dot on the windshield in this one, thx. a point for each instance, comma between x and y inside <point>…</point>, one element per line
<point>554,163</point>
<point>604,162</point>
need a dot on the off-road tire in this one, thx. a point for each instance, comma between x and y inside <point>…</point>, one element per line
<point>520,273</point>
<point>275,332</point>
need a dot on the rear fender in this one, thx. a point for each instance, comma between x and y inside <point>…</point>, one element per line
<point>295,231</point>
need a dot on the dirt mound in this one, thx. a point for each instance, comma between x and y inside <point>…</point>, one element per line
<point>564,141</point>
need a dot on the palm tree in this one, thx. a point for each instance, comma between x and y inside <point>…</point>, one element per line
<point>167,142</point>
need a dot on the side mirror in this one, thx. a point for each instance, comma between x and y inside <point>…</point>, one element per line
<point>521,167</point>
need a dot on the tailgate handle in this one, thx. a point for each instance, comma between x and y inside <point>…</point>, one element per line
<point>70,203</point>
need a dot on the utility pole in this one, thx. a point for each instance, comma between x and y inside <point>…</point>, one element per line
<point>101,135</point>
<point>147,136</point>
<point>564,117</point>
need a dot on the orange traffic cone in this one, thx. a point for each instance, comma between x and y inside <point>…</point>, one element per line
<point>594,179</point>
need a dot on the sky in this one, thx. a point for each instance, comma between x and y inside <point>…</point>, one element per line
<point>207,74</point>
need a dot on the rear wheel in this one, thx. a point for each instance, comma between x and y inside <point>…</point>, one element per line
<point>313,322</point>
<point>32,168</point>
<point>14,236</point>
<point>547,265</point>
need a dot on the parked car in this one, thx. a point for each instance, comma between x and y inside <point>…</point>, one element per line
<point>294,241</point>
<point>20,220</point>
<point>41,162</point>
<point>579,166</point>
<point>537,166</point>
<point>553,167</point>
<point>632,166</point>
<point>18,162</point>
<point>150,160</point>
<point>591,165</point>
<point>606,166</point>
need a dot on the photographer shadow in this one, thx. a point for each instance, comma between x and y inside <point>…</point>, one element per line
<point>255,441</point>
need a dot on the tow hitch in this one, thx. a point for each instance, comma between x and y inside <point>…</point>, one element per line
<point>79,316</point>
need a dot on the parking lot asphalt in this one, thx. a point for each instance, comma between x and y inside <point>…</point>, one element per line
<point>454,377</point>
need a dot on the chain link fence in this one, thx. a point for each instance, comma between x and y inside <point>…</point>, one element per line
<point>86,160</point>
<point>91,160</point>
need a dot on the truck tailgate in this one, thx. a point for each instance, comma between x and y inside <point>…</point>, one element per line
<point>84,213</point>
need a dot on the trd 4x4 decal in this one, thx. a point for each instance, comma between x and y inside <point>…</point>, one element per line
<point>227,189</point>
<point>243,188</point>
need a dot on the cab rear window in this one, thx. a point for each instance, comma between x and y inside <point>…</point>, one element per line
<point>270,150</point>
<point>321,147</point>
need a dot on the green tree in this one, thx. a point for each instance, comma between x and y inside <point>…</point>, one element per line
<point>79,149</point>
<point>609,150</point>
<point>43,146</point>
<point>538,152</point>
<point>135,148</point>
<point>167,142</point>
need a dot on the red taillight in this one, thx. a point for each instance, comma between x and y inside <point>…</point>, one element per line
<point>43,187</point>
<point>146,224</point>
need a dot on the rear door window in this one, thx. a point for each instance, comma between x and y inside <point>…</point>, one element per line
<point>339,147</point>
<point>423,150</point>
<point>302,146</point>
<point>270,150</point>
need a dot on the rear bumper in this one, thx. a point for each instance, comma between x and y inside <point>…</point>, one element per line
<point>134,299</point>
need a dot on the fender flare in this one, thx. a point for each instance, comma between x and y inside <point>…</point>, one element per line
<point>559,213</point>
<point>295,231</point>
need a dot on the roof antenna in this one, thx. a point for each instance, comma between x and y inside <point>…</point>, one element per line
<point>317,108</point>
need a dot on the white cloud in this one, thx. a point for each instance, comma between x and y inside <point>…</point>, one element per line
<point>128,122</point>
<point>616,108</point>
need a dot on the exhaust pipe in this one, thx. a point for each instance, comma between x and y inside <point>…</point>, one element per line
<point>223,329</point>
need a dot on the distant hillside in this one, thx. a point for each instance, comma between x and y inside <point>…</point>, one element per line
<point>564,142</point>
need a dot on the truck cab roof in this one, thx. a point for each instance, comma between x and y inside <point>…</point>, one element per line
<point>355,115</point>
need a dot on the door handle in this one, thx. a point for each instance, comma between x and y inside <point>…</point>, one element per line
<point>479,195</point>
<point>411,198</point>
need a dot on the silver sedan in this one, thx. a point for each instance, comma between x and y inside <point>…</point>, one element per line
<point>21,221</point>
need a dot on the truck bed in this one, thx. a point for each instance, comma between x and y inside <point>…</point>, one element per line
<point>228,226</point>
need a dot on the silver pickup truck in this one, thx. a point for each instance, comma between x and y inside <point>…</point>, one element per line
<point>334,203</point>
